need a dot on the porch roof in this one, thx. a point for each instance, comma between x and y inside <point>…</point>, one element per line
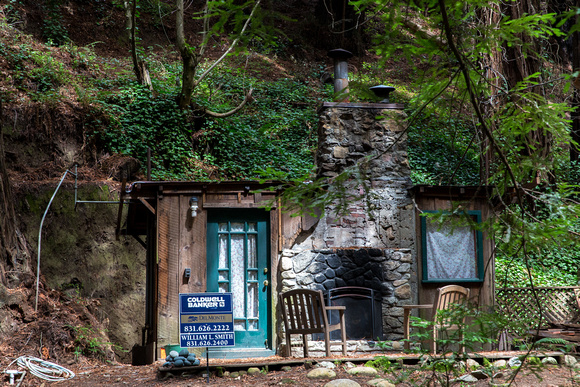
<point>141,197</point>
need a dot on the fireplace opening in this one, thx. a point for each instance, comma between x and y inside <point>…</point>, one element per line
<point>363,317</point>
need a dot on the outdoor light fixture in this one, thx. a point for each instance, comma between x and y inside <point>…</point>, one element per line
<point>193,206</point>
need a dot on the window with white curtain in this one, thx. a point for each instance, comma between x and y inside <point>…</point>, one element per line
<point>451,251</point>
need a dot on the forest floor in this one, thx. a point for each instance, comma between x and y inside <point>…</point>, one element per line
<point>93,373</point>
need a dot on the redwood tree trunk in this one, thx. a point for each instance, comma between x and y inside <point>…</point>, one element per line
<point>515,65</point>
<point>14,252</point>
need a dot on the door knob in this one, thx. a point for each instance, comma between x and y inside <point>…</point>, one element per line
<point>266,283</point>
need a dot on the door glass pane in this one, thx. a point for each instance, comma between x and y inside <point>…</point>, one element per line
<point>252,275</point>
<point>253,325</point>
<point>237,274</point>
<point>223,227</point>
<point>239,325</point>
<point>252,226</point>
<point>253,299</point>
<point>237,227</point>
<point>252,256</point>
<point>223,275</point>
<point>224,288</point>
<point>223,252</point>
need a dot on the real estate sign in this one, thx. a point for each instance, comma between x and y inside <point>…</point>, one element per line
<point>206,320</point>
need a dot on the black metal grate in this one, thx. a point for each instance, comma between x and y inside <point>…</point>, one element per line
<point>363,317</point>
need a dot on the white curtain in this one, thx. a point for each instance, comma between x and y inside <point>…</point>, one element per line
<point>450,252</point>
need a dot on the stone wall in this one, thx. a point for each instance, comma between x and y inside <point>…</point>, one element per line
<point>373,245</point>
<point>389,272</point>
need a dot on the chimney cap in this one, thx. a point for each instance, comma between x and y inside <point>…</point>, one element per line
<point>382,91</point>
<point>339,53</point>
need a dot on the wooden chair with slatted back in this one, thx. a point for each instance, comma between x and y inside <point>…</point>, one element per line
<point>304,313</point>
<point>445,298</point>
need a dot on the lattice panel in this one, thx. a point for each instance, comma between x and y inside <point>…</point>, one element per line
<point>557,304</point>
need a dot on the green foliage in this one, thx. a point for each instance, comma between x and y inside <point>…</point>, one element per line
<point>276,131</point>
<point>462,325</point>
<point>550,267</point>
<point>383,364</point>
<point>89,342</point>
<point>140,121</point>
<point>442,151</point>
<point>53,29</point>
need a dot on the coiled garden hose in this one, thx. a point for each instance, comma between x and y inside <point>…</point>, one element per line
<point>44,369</point>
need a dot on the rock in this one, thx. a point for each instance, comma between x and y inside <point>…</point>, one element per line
<point>187,363</point>
<point>286,263</point>
<point>499,364</point>
<point>514,362</point>
<point>242,373</point>
<point>253,371</point>
<point>363,371</point>
<point>472,364</point>
<point>460,366</point>
<point>174,354</point>
<point>498,375</point>
<point>466,379</point>
<point>570,361</point>
<point>549,360</point>
<point>326,364</point>
<point>286,368</point>
<point>349,364</point>
<point>321,373</point>
<point>195,363</point>
<point>380,383</point>
<point>479,374</point>
<point>342,383</point>
<point>178,363</point>
<point>234,375</point>
<point>167,364</point>
<point>184,352</point>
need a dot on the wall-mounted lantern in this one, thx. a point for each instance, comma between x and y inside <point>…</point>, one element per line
<point>193,206</point>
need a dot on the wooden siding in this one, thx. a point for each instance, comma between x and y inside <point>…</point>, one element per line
<point>182,244</point>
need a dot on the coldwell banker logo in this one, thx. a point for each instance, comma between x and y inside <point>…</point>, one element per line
<point>206,302</point>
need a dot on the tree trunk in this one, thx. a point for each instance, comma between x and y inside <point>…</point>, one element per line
<point>509,67</point>
<point>574,148</point>
<point>14,254</point>
<point>188,57</point>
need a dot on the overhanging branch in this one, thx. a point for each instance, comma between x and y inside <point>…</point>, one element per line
<point>247,98</point>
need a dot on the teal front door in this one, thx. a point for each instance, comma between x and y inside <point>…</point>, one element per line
<point>237,262</point>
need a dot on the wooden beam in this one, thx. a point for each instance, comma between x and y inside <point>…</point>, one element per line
<point>120,212</point>
<point>149,206</point>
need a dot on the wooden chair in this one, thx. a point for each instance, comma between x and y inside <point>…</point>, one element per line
<point>445,298</point>
<point>304,313</point>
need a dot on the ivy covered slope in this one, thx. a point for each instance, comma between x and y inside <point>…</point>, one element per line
<point>276,130</point>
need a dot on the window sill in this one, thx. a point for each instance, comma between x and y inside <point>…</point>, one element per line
<point>453,281</point>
